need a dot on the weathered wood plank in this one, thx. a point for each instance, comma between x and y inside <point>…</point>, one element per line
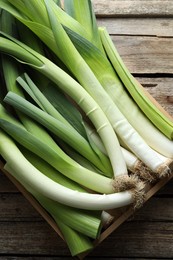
<point>14,207</point>
<point>154,210</point>
<point>161,89</point>
<point>138,26</point>
<point>36,257</point>
<point>167,190</point>
<point>141,54</point>
<point>115,8</point>
<point>6,185</point>
<point>152,240</point>
<point>144,239</point>
<point>30,238</point>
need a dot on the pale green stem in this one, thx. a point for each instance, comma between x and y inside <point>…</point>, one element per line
<point>54,191</point>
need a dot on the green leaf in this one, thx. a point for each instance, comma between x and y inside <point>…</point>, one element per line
<point>77,243</point>
<point>19,51</point>
<point>65,107</point>
<point>61,129</point>
<point>83,12</point>
<point>146,103</point>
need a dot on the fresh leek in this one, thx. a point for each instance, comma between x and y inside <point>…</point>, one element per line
<point>74,89</point>
<point>80,69</point>
<point>57,192</point>
<point>59,160</point>
<point>76,241</point>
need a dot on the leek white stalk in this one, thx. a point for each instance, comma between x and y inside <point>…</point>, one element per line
<point>134,165</point>
<point>137,167</point>
<point>55,191</point>
<point>50,171</point>
<point>83,221</point>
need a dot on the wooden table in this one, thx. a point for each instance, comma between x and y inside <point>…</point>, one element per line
<point>143,34</point>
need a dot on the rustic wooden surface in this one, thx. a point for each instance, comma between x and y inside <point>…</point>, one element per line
<point>143,34</point>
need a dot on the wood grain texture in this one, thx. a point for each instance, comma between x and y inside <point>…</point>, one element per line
<point>162,27</point>
<point>14,207</point>
<point>115,8</point>
<point>24,232</point>
<point>161,89</point>
<point>152,240</point>
<point>147,239</point>
<point>141,54</point>
<point>30,238</point>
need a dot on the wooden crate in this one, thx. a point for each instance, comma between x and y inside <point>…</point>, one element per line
<point>120,214</point>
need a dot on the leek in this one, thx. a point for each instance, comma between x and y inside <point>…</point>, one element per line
<point>59,160</point>
<point>85,76</point>
<point>120,97</point>
<point>78,10</point>
<point>116,90</point>
<point>146,103</point>
<point>83,221</point>
<point>24,13</point>
<point>53,174</point>
<point>59,125</point>
<point>59,181</point>
<point>11,72</point>
<point>107,77</point>
<point>46,35</point>
<point>72,88</point>
<point>57,192</point>
<point>134,165</point>
<point>77,242</point>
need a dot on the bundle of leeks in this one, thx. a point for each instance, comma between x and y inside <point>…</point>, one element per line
<point>69,138</point>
